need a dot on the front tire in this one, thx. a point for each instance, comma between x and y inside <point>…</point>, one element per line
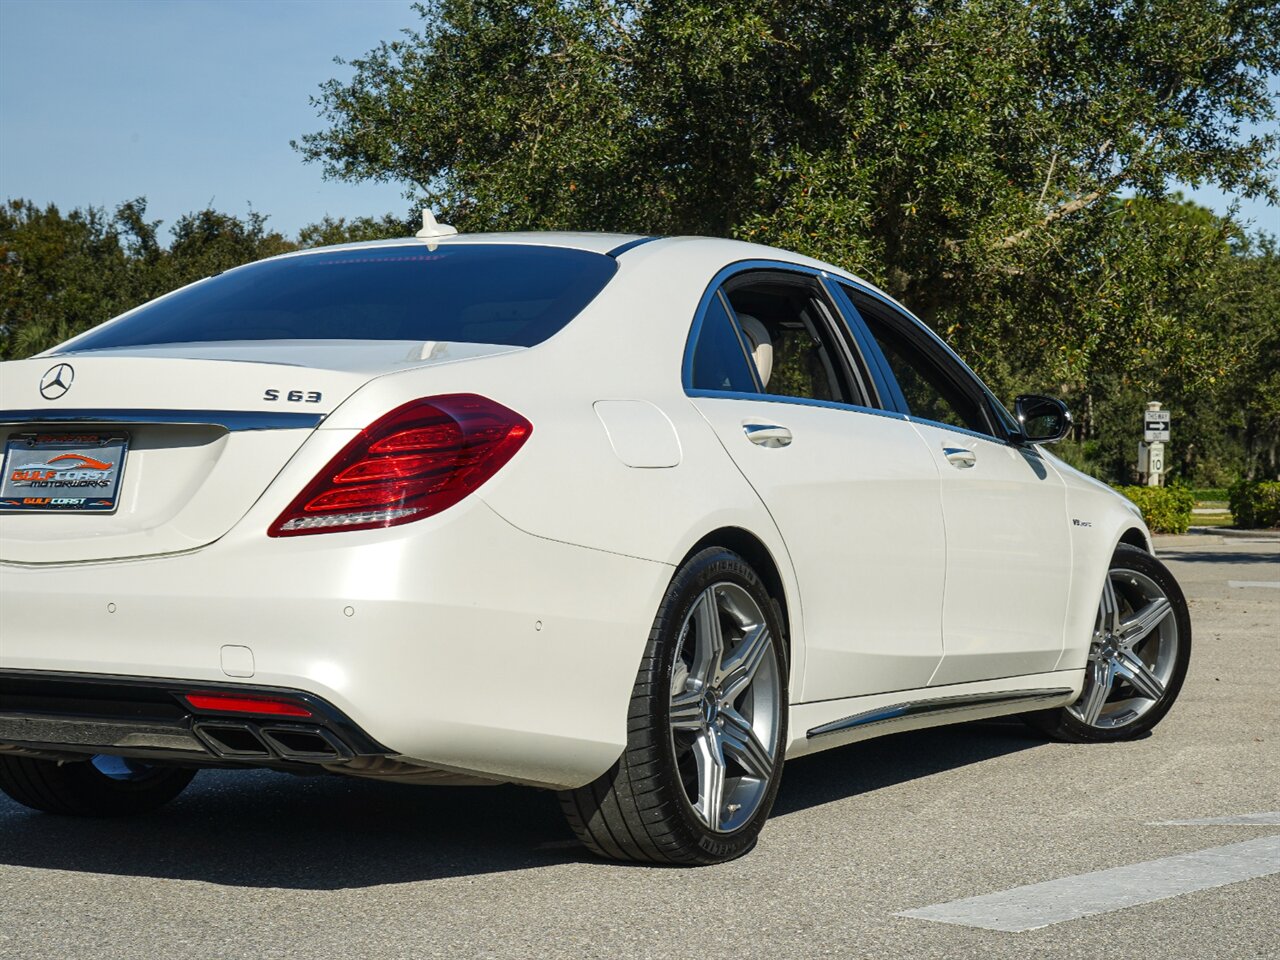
<point>102,786</point>
<point>706,726</point>
<point>1138,658</point>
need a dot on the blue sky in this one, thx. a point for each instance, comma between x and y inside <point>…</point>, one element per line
<point>194,103</point>
<point>188,103</point>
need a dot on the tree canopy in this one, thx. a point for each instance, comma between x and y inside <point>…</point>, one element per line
<point>63,273</point>
<point>999,165</point>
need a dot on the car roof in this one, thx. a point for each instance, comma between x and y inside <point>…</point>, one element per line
<point>591,242</point>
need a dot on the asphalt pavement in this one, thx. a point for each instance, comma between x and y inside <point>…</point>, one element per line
<point>258,865</point>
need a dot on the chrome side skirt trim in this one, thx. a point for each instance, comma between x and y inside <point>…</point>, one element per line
<point>231,420</point>
<point>939,707</point>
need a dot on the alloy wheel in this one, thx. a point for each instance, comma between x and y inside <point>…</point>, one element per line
<point>1133,654</point>
<point>726,701</point>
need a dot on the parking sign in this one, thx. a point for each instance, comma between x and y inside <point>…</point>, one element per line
<point>1155,426</point>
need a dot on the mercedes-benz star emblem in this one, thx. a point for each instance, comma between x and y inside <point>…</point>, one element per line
<point>57,381</point>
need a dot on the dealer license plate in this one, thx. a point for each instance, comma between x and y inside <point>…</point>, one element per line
<point>63,471</point>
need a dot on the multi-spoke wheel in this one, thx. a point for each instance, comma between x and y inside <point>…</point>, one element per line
<point>1138,656</point>
<point>708,726</point>
<point>726,692</point>
<point>101,786</point>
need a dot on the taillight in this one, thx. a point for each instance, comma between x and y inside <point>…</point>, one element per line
<point>419,459</point>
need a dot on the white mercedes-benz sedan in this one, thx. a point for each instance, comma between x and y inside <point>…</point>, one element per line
<point>629,518</point>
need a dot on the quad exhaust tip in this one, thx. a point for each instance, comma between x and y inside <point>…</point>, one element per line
<point>245,740</point>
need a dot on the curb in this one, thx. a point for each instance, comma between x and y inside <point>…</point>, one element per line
<point>1203,536</point>
<point>1232,533</point>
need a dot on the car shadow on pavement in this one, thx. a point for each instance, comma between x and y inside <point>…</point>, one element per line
<point>265,829</point>
<point>887,761</point>
<point>1195,556</point>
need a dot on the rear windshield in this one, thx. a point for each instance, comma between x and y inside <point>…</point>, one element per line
<point>473,293</point>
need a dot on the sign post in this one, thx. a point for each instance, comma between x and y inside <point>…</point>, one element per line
<point>1155,434</point>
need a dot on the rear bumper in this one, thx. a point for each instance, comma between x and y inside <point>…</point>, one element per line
<point>148,718</point>
<point>459,642</point>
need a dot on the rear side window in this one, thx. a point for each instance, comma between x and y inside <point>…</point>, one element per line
<point>468,293</point>
<point>785,321</point>
<point>719,362</point>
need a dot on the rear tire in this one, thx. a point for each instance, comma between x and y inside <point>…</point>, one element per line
<point>706,726</point>
<point>98,787</point>
<point>1138,659</point>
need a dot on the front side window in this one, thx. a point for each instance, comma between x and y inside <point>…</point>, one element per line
<point>509,294</point>
<point>933,388</point>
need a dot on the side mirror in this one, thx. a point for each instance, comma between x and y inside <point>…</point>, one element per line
<point>1042,419</point>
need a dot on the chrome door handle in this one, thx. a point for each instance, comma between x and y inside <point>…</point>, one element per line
<point>959,457</point>
<point>767,434</point>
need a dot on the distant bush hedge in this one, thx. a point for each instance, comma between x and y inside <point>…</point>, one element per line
<point>1255,503</point>
<point>1166,509</point>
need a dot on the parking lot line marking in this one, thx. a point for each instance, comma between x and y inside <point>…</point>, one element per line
<point>1274,584</point>
<point>1069,898</point>
<point>1268,819</point>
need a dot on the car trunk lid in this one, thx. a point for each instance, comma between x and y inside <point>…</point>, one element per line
<point>200,431</point>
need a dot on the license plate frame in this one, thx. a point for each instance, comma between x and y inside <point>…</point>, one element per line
<point>63,471</point>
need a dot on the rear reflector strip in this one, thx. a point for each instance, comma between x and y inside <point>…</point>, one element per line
<point>243,703</point>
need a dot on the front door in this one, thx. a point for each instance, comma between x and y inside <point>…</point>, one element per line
<point>1008,549</point>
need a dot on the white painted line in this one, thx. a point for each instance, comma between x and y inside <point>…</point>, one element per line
<point>1270,819</point>
<point>1274,584</point>
<point>1042,904</point>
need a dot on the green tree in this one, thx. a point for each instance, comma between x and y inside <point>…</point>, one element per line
<point>208,242</point>
<point>61,274</point>
<point>58,274</point>
<point>969,156</point>
<point>330,231</point>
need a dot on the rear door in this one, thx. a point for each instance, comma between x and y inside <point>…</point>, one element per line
<point>853,491</point>
<point>1008,549</point>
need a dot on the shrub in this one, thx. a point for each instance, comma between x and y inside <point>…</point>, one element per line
<point>1255,503</point>
<point>1165,509</point>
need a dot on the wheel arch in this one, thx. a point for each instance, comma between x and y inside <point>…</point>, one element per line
<point>752,549</point>
<point>1136,538</point>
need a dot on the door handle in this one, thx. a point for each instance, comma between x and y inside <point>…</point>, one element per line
<point>959,457</point>
<point>767,434</point>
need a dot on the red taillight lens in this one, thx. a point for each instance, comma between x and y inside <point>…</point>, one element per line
<point>246,703</point>
<point>416,461</point>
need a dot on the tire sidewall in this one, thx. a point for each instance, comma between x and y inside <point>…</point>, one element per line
<point>712,566</point>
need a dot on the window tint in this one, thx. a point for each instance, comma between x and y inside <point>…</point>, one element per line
<point>718,360</point>
<point>931,391</point>
<point>469,293</point>
<point>785,331</point>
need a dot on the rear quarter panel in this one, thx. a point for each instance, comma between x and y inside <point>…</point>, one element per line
<point>567,483</point>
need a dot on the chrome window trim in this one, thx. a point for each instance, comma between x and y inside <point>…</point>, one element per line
<point>231,420</point>
<point>847,348</point>
<point>1009,439</point>
<point>883,382</point>
<point>990,438</point>
<point>797,401</point>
